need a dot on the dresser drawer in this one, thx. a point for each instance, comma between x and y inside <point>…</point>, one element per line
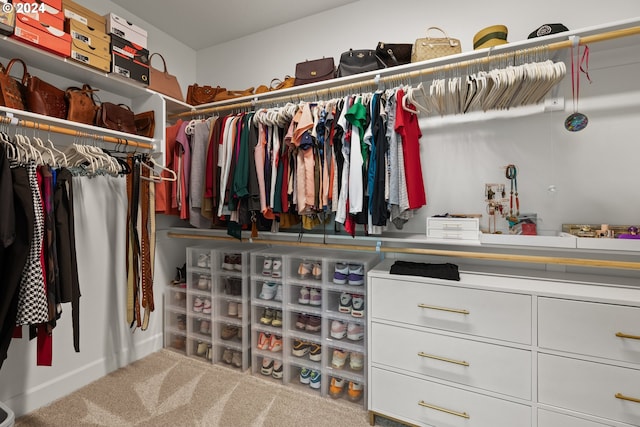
<point>430,404</point>
<point>589,387</point>
<point>486,366</point>
<point>498,315</point>
<point>554,419</point>
<point>589,328</point>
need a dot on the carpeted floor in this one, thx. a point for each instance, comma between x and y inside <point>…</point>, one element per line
<point>168,389</point>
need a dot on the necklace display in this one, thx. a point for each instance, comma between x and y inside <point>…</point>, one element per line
<point>577,121</point>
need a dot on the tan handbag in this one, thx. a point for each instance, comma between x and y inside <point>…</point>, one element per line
<point>82,106</point>
<point>12,91</point>
<point>197,95</point>
<point>432,47</point>
<point>163,82</point>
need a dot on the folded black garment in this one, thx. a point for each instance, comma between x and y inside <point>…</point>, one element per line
<point>446,271</point>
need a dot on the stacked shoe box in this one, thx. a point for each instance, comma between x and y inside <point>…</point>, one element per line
<point>175,312</point>
<point>129,54</point>
<point>90,43</point>
<point>41,24</point>
<point>309,320</point>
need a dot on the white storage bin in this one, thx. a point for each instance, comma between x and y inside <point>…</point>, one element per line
<point>6,416</point>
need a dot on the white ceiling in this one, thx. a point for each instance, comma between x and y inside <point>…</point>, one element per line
<point>203,23</point>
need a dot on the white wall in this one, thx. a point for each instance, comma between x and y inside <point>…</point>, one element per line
<point>460,155</point>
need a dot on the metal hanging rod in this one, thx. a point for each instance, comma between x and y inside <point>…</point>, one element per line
<point>73,132</point>
<point>403,76</point>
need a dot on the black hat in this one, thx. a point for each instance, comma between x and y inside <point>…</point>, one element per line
<point>547,29</point>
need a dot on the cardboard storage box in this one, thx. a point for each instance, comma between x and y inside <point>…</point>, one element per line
<point>124,29</point>
<point>83,52</point>
<point>50,17</point>
<point>96,41</point>
<point>129,60</point>
<point>40,35</point>
<point>73,10</point>
<point>7,20</point>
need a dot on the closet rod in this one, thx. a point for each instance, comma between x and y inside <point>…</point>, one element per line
<point>409,75</point>
<point>73,132</point>
<point>531,259</point>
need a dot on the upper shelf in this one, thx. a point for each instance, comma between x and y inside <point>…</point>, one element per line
<point>610,34</point>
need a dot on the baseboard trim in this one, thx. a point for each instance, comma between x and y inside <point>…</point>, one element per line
<point>70,381</point>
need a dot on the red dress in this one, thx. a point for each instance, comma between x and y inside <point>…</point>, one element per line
<point>407,127</point>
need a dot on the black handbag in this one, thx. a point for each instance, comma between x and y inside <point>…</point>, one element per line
<point>358,61</point>
<point>392,54</point>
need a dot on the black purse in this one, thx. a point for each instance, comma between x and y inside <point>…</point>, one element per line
<point>392,54</point>
<point>358,61</point>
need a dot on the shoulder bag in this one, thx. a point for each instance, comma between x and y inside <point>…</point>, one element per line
<point>12,91</point>
<point>116,117</point>
<point>46,99</point>
<point>434,47</point>
<point>82,107</point>
<point>358,61</point>
<point>163,82</point>
<point>313,71</point>
<point>145,123</point>
<point>197,94</point>
<point>392,54</point>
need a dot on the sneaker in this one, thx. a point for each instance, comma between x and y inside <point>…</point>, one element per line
<point>206,306</point>
<point>239,310</point>
<point>204,260</point>
<point>268,290</point>
<point>339,358</point>
<point>305,375</point>
<point>314,324</point>
<point>304,270</point>
<point>180,278</point>
<point>205,326</point>
<point>236,359</point>
<point>341,273</point>
<point>314,380</point>
<point>201,350</point>
<point>315,352</point>
<point>229,332</point>
<point>276,270</point>
<point>315,297</point>
<point>179,342</point>
<point>232,309</point>
<point>300,348</point>
<point>227,355</point>
<point>236,261</point>
<point>338,329</point>
<point>266,266</point>
<point>356,274</point>
<point>345,303</point>
<point>197,305</point>
<point>354,392</point>
<point>227,263</point>
<point>277,369</point>
<point>267,366</point>
<point>181,322</point>
<point>301,322</point>
<point>278,296</point>
<point>264,340</point>
<point>267,316</point>
<point>316,271</point>
<point>358,306</point>
<point>305,296</point>
<point>356,361</point>
<point>276,343</point>
<point>336,387</point>
<point>355,332</point>
<point>209,352</point>
<point>277,319</point>
<point>204,283</point>
<point>233,286</point>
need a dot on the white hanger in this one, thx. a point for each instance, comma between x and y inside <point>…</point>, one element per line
<point>158,178</point>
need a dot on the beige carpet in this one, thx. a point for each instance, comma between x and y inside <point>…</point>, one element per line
<point>166,388</point>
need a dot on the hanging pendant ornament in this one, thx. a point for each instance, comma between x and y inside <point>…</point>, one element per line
<point>576,121</point>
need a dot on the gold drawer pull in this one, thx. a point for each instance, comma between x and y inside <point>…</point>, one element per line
<point>444,359</point>
<point>631,337</point>
<point>450,310</point>
<point>630,399</point>
<point>447,411</point>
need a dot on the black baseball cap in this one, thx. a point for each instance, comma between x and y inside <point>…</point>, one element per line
<point>546,29</point>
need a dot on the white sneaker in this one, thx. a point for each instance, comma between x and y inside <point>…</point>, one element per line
<point>269,290</point>
<point>204,260</point>
<point>276,270</point>
<point>232,309</point>
<point>356,274</point>
<point>278,296</point>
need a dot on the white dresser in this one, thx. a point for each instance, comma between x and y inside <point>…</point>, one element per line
<point>504,347</point>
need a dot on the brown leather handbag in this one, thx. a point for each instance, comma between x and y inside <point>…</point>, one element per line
<point>163,82</point>
<point>145,123</point>
<point>116,117</point>
<point>392,54</point>
<point>12,91</point>
<point>230,94</point>
<point>82,106</point>
<point>314,71</point>
<point>46,99</point>
<point>197,95</point>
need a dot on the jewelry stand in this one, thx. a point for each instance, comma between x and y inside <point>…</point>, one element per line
<point>495,197</point>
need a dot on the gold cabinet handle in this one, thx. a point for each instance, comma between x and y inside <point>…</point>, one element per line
<point>630,399</point>
<point>447,411</point>
<point>444,359</point>
<point>631,337</point>
<point>450,310</point>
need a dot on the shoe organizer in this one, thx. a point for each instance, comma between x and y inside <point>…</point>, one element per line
<point>176,341</point>
<point>176,298</point>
